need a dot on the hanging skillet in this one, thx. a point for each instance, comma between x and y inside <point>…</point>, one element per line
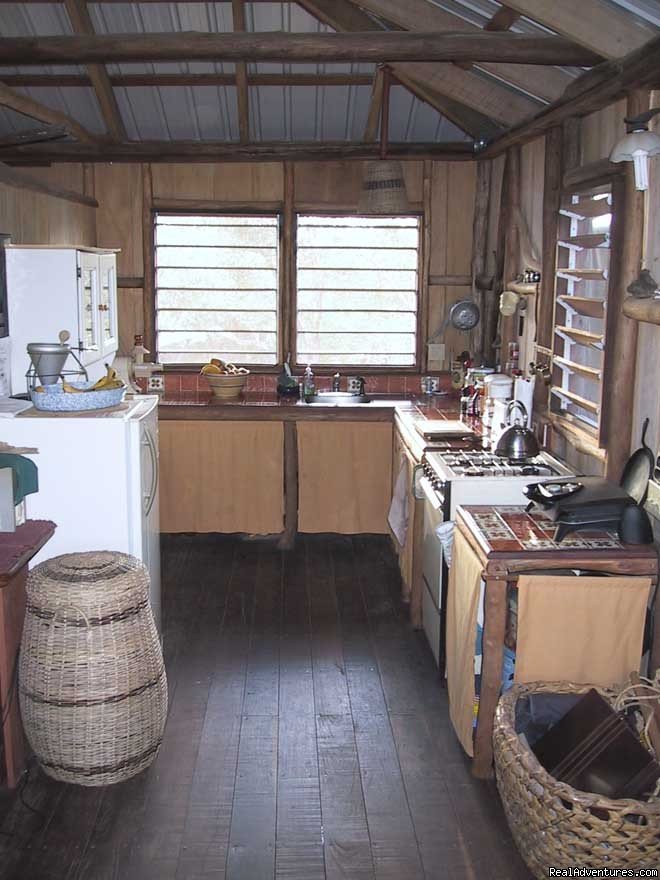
<point>638,470</point>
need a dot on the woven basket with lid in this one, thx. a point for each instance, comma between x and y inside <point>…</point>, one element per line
<point>92,684</point>
<point>554,824</point>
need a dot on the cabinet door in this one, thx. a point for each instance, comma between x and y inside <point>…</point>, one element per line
<point>108,329</point>
<point>345,475</point>
<point>88,307</point>
<point>222,476</point>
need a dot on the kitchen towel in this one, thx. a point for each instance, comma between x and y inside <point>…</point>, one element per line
<point>462,609</point>
<point>587,630</point>
<point>399,511</point>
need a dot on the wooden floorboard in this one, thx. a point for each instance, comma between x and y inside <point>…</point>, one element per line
<point>308,738</point>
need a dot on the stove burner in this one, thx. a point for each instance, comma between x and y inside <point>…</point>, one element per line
<point>477,463</point>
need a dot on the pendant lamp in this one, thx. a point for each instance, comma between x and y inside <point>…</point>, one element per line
<point>637,146</point>
<point>384,186</point>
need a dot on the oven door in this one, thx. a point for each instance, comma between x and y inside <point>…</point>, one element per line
<point>432,567</point>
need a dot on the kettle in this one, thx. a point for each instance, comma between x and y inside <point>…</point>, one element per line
<point>517,443</point>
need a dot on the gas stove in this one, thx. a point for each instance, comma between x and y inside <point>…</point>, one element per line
<point>477,463</point>
<point>476,476</point>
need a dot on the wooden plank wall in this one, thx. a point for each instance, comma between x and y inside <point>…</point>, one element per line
<point>34,218</point>
<point>598,134</point>
<point>323,186</point>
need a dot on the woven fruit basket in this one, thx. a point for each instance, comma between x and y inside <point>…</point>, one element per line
<point>555,825</point>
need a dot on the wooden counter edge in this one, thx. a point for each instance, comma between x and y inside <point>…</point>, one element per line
<point>26,556</point>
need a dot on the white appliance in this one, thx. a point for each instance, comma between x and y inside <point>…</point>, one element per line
<point>98,481</point>
<point>50,289</point>
<point>451,478</point>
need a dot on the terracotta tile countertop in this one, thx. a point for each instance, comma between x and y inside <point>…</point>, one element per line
<point>267,405</point>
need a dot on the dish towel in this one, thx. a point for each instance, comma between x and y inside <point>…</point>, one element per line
<point>399,513</point>
<point>587,630</point>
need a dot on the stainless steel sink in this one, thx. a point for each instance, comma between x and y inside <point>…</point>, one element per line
<point>338,398</point>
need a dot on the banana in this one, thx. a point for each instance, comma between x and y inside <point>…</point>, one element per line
<point>69,389</point>
<point>108,381</point>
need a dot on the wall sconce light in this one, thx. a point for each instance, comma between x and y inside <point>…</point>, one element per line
<point>638,144</point>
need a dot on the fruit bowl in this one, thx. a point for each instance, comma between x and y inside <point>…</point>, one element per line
<point>54,399</point>
<point>227,386</point>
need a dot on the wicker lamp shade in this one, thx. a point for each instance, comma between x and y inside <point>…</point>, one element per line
<point>92,685</point>
<point>384,188</point>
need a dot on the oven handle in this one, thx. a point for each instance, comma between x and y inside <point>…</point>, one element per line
<point>417,493</point>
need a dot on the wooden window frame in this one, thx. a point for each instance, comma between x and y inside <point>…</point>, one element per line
<point>330,369</point>
<point>595,441</point>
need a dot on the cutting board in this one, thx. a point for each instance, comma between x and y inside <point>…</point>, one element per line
<point>443,428</point>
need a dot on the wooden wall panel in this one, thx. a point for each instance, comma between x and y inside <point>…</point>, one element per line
<point>119,220</point>
<point>340,183</point>
<point>231,182</point>
<point>222,476</point>
<point>453,187</point>
<point>345,476</point>
<point>33,218</point>
<point>601,130</point>
<point>131,317</point>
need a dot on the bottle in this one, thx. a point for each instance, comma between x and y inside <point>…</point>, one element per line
<point>309,390</point>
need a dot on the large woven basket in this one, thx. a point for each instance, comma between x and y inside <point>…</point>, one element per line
<point>92,685</point>
<point>555,825</point>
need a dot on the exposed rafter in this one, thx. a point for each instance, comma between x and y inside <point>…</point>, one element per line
<point>243,100</point>
<point>82,24</point>
<point>590,92</point>
<point>133,80</point>
<point>375,107</point>
<point>474,119</point>
<point>420,15</point>
<point>502,20</point>
<point>290,47</point>
<point>594,24</point>
<point>29,107</point>
<point>221,151</point>
<point>33,136</point>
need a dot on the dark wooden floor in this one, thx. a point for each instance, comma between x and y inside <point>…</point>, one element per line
<point>308,738</point>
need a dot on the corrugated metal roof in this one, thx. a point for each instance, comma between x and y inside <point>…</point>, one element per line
<point>209,112</point>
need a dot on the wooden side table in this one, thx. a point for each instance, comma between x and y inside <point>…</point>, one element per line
<point>523,543</point>
<point>16,550</point>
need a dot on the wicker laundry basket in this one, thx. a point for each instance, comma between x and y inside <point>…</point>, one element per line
<point>553,824</point>
<point>92,685</point>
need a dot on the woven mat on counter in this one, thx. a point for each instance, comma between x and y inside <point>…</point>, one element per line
<point>35,413</point>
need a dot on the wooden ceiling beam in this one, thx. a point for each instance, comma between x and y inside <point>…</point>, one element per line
<point>420,15</point>
<point>81,23</point>
<point>221,151</point>
<point>375,107</point>
<point>502,20</point>
<point>594,24</point>
<point>242,96</point>
<point>33,136</point>
<point>29,107</point>
<point>317,48</point>
<point>133,80</point>
<point>592,91</point>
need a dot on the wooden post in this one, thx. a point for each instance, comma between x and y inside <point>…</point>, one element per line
<point>622,355</point>
<point>512,261</point>
<point>148,256</point>
<point>288,537</point>
<point>491,677</point>
<point>424,331</point>
<point>288,288</point>
<point>479,246</point>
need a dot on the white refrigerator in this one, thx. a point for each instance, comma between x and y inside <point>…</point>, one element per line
<point>98,481</point>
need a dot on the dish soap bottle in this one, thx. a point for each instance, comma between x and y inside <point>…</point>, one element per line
<point>309,389</point>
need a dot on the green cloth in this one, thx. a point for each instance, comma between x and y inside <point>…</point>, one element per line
<point>26,479</point>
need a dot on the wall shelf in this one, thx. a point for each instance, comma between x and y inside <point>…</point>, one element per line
<point>583,274</point>
<point>581,369</point>
<point>582,402</point>
<point>582,337</point>
<point>591,307</point>
<point>587,242</point>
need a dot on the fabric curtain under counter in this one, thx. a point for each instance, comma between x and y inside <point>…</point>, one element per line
<point>582,629</point>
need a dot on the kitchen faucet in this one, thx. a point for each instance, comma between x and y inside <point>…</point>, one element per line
<point>336,382</point>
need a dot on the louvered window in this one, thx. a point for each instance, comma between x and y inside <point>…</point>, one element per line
<point>357,290</point>
<point>217,288</point>
<point>581,294</point>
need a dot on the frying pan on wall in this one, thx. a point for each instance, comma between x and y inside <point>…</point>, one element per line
<point>638,470</point>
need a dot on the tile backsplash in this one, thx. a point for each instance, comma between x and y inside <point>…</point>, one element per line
<point>381,383</point>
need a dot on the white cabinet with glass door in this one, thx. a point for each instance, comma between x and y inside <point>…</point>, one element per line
<point>51,289</point>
